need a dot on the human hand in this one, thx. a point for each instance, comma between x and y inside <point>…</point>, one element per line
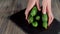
<point>46,4</point>
<point>30,5</point>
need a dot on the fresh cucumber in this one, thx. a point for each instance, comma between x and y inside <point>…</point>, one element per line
<point>30,19</point>
<point>35,24</point>
<point>33,11</point>
<point>44,20</point>
<point>37,17</point>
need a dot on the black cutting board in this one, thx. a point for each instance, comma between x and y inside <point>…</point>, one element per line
<point>19,19</point>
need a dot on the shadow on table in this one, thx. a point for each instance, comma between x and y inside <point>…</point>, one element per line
<point>19,19</point>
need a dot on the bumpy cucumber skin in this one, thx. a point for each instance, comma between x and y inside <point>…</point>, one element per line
<point>37,17</point>
<point>35,24</point>
<point>32,14</point>
<point>34,11</point>
<point>45,25</point>
<point>30,19</point>
<point>44,19</point>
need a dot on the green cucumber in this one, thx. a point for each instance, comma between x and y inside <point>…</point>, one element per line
<point>44,17</point>
<point>37,17</point>
<point>30,19</point>
<point>44,20</point>
<point>33,11</point>
<point>45,25</point>
<point>35,24</point>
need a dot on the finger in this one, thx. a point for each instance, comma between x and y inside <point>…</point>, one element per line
<point>49,6</point>
<point>49,14</point>
<point>44,8</point>
<point>51,21</point>
<point>29,7</point>
<point>38,5</point>
<point>44,5</point>
<point>26,14</point>
<point>50,18</point>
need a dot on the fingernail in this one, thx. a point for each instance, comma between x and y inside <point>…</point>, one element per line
<point>44,12</point>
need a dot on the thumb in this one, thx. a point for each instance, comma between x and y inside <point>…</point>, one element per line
<point>38,5</point>
<point>29,7</point>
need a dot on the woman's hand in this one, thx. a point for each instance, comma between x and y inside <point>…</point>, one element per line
<point>46,4</point>
<point>30,5</point>
<point>47,9</point>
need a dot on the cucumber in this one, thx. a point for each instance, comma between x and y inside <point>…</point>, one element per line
<point>44,17</point>
<point>35,24</point>
<point>37,17</point>
<point>45,25</point>
<point>33,11</point>
<point>30,19</point>
<point>44,20</point>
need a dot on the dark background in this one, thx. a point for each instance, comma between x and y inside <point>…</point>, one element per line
<point>19,20</point>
